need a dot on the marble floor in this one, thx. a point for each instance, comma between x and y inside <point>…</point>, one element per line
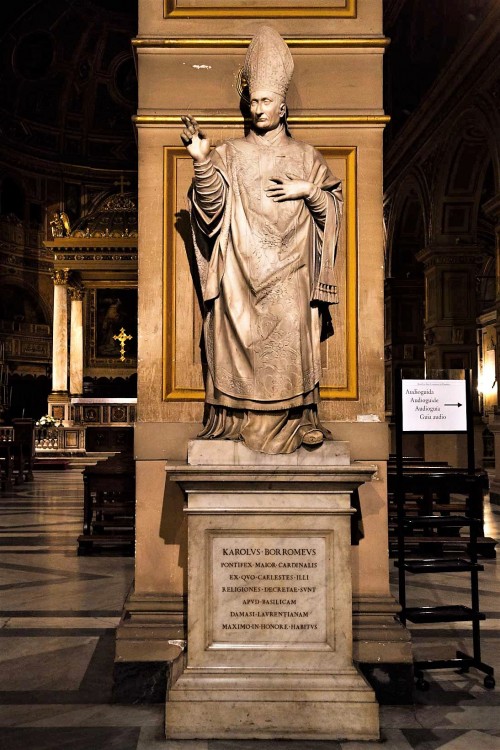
<point>58,612</point>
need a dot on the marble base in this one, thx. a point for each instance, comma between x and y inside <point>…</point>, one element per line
<point>58,406</point>
<point>270,601</point>
<point>248,705</point>
<point>220,452</point>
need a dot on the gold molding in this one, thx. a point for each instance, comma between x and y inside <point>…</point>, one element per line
<point>350,392</point>
<point>347,42</point>
<point>171,9</point>
<point>171,154</point>
<point>174,392</point>
<point>232,120</point>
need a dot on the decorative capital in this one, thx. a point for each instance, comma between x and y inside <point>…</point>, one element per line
<point>76,293</point>
<point>60,276</point>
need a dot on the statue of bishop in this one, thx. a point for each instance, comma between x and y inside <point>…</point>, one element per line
<point>265,215</point>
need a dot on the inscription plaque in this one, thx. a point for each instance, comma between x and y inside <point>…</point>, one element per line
<point>269,588</point>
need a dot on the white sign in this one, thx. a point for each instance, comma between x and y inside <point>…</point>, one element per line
<point>434,406</point>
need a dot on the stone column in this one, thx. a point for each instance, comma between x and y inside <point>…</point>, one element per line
<point>170,384</point>
<point>58,401</point>
<point>492,208</point>
<point>450,329</point>
<point>76,342</point>
<point>60,333</point>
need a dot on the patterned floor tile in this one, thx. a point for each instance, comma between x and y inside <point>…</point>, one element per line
<point>74,738</point>
<point>57,619</point>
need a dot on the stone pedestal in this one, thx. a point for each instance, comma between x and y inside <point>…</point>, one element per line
<point>269,597</point>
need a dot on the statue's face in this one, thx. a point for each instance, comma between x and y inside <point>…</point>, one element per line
<point>267,109</point>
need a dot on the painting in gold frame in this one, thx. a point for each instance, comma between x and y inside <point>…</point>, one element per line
<point>109,310</point>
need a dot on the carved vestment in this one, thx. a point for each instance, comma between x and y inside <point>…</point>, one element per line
<point>265,269</point>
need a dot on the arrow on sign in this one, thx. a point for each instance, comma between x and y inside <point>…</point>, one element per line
<point>459,404</point>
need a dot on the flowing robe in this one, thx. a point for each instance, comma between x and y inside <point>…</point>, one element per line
<point>265,268</point>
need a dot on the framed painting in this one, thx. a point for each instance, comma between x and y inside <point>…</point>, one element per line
<point>112,327</point>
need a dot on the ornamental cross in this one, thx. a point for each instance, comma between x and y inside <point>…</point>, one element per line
<point>122,184</point>
<point>122,337</point>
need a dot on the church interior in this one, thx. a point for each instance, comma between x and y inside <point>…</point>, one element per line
<point>100,372</point>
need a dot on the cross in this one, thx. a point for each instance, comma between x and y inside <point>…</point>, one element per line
<point>122,184</point>
<point>122,337</point>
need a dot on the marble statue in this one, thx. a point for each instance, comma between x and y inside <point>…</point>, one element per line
<point>265,216</point>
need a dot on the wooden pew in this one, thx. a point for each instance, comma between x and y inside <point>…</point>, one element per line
<point>432,489</point>
<point>6,457</point>
<point>109,507</point>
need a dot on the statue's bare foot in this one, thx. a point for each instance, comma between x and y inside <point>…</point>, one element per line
<point>313,437</point>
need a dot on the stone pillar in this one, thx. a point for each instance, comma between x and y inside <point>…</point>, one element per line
<point>76,342</point>
<point>59,399</point>
<point>189,61</point>
<point>450,329</point>
<point>492,208</point>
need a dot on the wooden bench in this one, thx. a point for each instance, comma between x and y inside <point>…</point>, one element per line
<point>6,457</point>
<point>109,507</point>
<point>439,490</point>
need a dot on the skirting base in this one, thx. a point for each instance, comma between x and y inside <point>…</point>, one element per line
<point>202,705</point>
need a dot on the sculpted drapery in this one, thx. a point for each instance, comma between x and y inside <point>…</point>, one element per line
<point>265,261</point>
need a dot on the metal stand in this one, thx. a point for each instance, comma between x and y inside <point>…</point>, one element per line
<point>464,481</point>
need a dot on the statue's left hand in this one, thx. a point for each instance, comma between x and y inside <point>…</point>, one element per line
<point>289,188</point>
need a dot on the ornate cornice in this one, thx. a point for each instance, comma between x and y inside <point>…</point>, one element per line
<point>12,258</point>
<point>125,244</point>
<point>455,256</point>
<point>90,257</point>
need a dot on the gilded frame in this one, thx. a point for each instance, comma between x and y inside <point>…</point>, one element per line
<point>174,391</point>
<point>94,358</point>
<point>307,9</point>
